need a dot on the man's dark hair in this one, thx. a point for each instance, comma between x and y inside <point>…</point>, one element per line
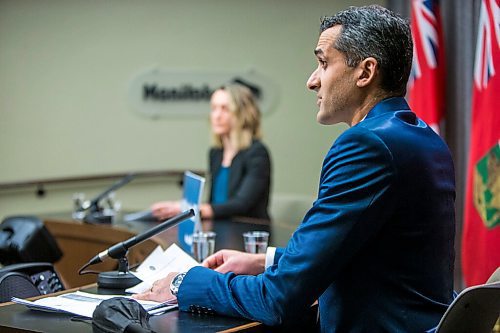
<point>374,31</point>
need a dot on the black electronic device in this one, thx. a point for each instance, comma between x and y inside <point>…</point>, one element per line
<point>94,212</point>
<point>26,239</point>
<point>123,279</point>
<point>28,280</point>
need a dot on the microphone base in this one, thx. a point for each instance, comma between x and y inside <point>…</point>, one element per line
<point>116,280</point>
<point>99,217</point>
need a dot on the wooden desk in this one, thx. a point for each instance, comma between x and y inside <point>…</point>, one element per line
<point>17,318</point>
<point>81,241</point>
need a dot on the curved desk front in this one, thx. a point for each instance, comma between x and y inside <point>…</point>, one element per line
<point>81,241</point>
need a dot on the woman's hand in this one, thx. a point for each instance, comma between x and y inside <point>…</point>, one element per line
<point>165,209</point>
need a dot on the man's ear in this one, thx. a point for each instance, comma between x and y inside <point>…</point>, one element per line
<point>368,72</point>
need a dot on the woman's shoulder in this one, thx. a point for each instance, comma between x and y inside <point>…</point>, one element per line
<point>256,152</point>
<point>257,148</point>
<point>257,145</point>
<point>214,156</point>
<point>215,150</point>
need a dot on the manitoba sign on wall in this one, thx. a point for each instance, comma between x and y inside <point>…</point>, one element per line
<point>164,92</point>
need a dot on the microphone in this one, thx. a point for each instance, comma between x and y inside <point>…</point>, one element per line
<point>123,279</point>
<point>95,213</point>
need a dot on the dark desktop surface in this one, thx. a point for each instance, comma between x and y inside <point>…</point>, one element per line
<point>18,318</point>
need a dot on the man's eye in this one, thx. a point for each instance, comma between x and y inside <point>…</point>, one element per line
<point>322,63</point>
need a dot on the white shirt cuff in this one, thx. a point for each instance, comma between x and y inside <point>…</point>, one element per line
<point>270,252</point>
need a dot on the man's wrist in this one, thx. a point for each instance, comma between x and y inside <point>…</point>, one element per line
<point>176,283</point>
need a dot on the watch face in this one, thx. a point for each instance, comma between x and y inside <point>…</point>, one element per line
<point>178,279</point>
<point>176,282</point>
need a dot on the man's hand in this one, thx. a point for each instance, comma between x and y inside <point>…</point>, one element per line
<point>159,292</point>
<point>240,263</point>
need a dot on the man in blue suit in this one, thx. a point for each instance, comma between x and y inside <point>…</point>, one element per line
<point>376,248</point>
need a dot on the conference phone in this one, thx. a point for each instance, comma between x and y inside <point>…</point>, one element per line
<point>28,280</point>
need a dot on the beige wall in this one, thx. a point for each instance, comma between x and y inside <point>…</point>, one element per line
<point>65,67</point>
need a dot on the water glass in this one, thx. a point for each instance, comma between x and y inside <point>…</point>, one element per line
<point>256,241</point>
<point>203,245</point>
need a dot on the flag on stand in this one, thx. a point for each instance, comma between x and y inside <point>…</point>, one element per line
<point>481,233</point>
<point>426,91</point>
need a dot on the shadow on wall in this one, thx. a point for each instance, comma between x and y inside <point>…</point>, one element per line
<point>287,211</point>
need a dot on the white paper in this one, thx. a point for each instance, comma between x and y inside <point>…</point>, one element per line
<point>158,264</point>
<point>83,304</point>
<point>146,215</point>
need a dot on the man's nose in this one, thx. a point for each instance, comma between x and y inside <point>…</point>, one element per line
<point>313,82</point>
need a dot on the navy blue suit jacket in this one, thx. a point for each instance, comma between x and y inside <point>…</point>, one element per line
<point>376,248</point>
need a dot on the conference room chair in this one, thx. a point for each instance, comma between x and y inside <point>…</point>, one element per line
<point>476,309</point>
<point>24,238</point>
<point>27,251</point>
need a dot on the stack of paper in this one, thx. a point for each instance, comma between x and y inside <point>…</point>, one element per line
<point>158,264</point>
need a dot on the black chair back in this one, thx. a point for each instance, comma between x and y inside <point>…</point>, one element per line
<point>25,239</point>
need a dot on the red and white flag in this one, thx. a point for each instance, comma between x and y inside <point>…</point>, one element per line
<point>481,233</point>
<point>426,91</point>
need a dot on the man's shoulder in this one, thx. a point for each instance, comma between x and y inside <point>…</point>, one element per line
<point>357,143</point>
<point>357,135</point>
<point>395,126</point>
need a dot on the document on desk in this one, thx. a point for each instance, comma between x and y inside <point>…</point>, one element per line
<point>83,304</point>
<point>145,215</point>
<point>158,264</point>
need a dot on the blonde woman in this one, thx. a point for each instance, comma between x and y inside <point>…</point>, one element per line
<point>239,163</point>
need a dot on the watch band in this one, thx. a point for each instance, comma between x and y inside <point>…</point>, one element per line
<point>176,282</point>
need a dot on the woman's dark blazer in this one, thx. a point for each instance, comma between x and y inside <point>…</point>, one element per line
<point>249,182</point>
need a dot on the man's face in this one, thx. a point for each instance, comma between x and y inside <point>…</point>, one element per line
<point>333,80</point>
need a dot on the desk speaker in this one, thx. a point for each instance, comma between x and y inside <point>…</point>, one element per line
<point>28,280</point>
<point>16,285</point>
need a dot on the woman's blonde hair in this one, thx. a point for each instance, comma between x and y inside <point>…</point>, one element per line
<point>243,106</point>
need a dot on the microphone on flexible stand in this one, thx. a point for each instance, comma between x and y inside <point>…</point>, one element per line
<point>93,212</point>
<point>123,279</point>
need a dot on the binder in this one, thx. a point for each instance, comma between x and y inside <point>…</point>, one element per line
<point>192,193</point>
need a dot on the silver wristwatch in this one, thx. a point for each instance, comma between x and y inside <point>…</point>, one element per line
<point>176,282</point>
